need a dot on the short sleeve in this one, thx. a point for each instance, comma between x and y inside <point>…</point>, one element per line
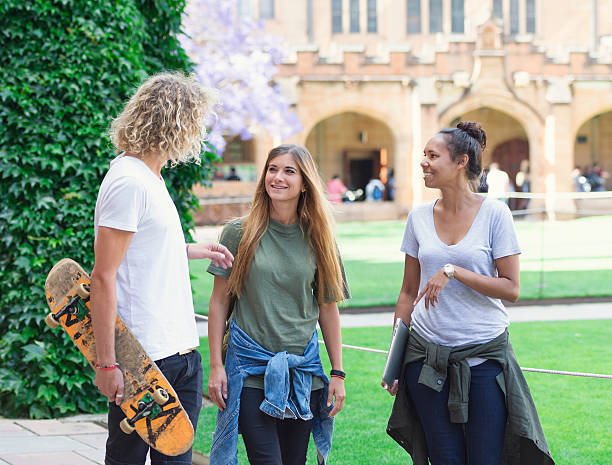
<point>230,238</point>
<point>503,238</point>
<point>410,245</point>
<point>122,204</point>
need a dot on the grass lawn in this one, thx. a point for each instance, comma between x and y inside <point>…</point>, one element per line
<point>559,259</point>
<point>575,412</point>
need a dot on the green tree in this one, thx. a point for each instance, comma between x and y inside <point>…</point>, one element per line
<point>66,68</point>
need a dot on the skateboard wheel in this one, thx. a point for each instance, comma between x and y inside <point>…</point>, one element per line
<point>126,427</point>
<point>160,396</point>
<point>51,321</point>
<point>83,291</point>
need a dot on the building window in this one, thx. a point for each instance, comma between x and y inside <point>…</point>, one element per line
<point>457,16</point>
<point>498,9</point>
<point>514,17</point>
<point>245,9</point>
<point>413,23</point>
<point>336,16</point>
<point>354,16</point>
<point>435,16</point>
<point>266,9</point>
<point>531,17</point>
<point>372,19</point>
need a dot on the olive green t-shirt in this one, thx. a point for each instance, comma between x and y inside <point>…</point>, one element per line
<point>278,305</point>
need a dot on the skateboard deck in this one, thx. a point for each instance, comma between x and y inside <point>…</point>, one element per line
<point>150,403</point>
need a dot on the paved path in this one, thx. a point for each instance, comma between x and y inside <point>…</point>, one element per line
<point>557,312</point>
<point>77,440</point>
<point>80,440</point>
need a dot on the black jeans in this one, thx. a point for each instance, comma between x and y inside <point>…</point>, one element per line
<point>184,372</point>
<point>268,440</point>
<point>480,441</point>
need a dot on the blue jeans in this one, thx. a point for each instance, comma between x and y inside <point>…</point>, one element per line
<point>480,441</point>
<point>184,372</point>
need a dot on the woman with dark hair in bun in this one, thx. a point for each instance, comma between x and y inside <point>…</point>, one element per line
<point>461,396</point>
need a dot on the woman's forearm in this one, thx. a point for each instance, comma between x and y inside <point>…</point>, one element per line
<point>329,320</point>
<point>217,316</point>
<point>500,287</point>
<point>404,307</point>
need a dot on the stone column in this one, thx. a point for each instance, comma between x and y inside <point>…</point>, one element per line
<point>558,159</point>
<point>425,125</point>
<point>403,171</point>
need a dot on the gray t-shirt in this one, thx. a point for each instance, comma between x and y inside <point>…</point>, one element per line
<point>462,315</point>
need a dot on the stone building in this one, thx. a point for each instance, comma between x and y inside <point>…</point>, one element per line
<point>372,80</point>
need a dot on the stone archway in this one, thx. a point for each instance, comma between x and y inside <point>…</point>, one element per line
<point>505,119</point>
<point>354,146</point>
<point>507,142</point>
<point>593,145</point>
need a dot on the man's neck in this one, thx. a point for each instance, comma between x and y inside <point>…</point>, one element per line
<point>152,160</point>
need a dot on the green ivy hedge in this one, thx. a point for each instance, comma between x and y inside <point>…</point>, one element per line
<point>66,68</point>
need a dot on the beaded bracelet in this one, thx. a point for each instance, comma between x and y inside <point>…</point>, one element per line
<point>338,374</point>
<point>107,367</point>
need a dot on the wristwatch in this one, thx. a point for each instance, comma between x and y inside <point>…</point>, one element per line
<point>449,271</point>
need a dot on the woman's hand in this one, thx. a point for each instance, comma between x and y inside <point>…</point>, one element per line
<point>432,289</point>
<point>392,389</point>
<point>218,254</point>
<point>217,386</point>
<point>336,393</point>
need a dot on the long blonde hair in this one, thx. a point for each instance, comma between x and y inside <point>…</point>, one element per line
<point>316,222</point>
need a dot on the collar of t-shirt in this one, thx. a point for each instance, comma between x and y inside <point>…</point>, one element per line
<point>137,161</point>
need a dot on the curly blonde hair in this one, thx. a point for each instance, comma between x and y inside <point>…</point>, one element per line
<point>165,116</point>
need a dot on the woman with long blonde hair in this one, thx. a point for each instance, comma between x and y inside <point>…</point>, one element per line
<point>286,277</point>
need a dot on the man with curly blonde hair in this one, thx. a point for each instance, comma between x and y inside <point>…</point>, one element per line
<point>140,269</point>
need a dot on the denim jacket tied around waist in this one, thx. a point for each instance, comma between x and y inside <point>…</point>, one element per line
<point>283,399</point>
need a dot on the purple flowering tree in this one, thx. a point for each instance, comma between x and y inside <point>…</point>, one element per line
<point>234,55</point>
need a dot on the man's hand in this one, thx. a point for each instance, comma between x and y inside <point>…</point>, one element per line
<point>217,253</point>
<point>110,384</point>
<point>217,386</point>
<point>337,393</point>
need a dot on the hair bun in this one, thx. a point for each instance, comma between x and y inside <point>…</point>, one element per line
<point>474,129</point>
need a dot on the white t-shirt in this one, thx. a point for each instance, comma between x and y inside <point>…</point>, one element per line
<point>153,288</point>
<point>462,315</point>
<point>498,182</point>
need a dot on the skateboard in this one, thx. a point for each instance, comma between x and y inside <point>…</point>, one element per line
<point>150,404</point>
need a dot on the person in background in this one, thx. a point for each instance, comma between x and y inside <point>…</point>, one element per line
<point>391,184</point>
<point>523,182</point>
<point>140,270</point>
<point>287,276</point>
<point>375,190</point>
<point>232,176</point>
<point>598,178</point>
<point>498,182</point>
<point>461,396</point>
<point>335,189</point>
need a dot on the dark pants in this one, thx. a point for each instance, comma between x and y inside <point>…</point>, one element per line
<point>268,440</point>
<point>184,372</point>
<point>478,442</point>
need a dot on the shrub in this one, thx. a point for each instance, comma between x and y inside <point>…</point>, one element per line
<point>66,68</point>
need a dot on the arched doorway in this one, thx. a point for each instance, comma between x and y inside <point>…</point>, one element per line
<point>355,147</point>
<point>507,144</point>
<point>593,151</point>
